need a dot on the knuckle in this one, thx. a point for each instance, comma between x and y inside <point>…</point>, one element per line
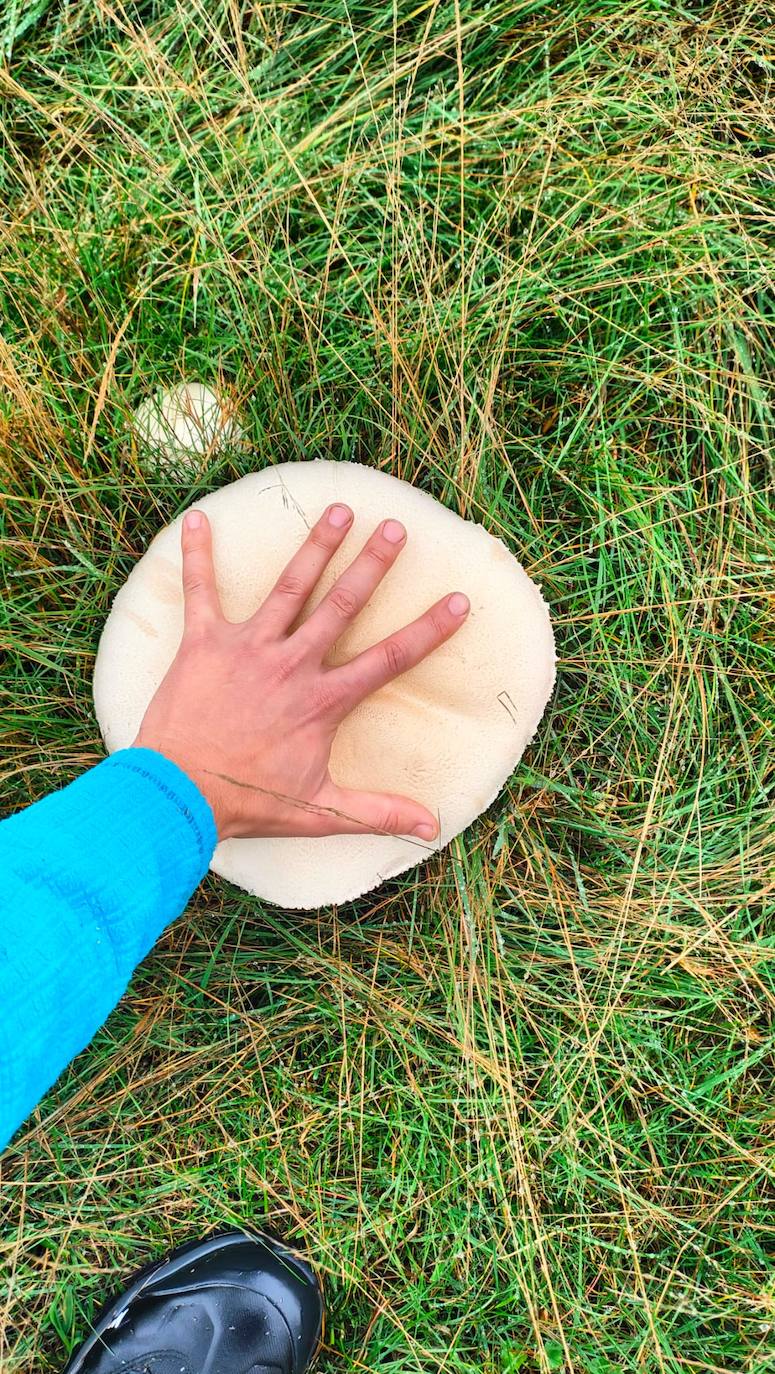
<point>286,666</point>
<point>290,584</point>
<point>439,625</point>
<point>194,581</point>
<point>395,656</point>
<point>390,821</point>
<point>344,602</point>
<point>378,555</point>
<point>326,697</point>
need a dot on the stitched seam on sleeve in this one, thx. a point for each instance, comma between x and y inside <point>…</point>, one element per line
<point>162,787</point>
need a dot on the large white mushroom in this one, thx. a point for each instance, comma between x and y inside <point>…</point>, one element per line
<point>448,733</point>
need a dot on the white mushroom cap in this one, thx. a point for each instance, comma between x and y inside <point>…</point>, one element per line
<point>178,427</point>
<point>448,733</point>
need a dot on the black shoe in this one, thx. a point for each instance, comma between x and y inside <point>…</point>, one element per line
<point>232,1304</point>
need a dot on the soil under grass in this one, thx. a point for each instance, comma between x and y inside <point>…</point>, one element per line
<point>519,1104</point>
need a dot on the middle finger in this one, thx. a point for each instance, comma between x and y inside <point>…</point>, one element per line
<point>352,590</point>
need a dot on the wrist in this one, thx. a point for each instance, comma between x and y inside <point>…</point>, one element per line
<point>208,786</point>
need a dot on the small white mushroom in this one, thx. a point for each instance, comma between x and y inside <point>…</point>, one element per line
<point>181,426</point>
<point>448,733</point>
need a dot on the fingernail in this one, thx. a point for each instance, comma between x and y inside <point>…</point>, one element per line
<point>424,832</point>
<point>193,520</point>
<point>459,604</point>
<point>393,532</point>
<point>339,516</point>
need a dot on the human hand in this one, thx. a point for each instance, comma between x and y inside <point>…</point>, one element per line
<point>249,711</point>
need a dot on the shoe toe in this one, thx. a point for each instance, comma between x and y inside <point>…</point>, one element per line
<point>235,1303</point>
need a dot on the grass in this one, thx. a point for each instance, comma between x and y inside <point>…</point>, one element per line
<point>519,1104</point>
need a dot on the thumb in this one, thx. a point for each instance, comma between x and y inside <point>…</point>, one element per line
<point>376,813</point>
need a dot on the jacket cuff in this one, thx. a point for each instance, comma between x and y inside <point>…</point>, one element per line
<point>179,790</point>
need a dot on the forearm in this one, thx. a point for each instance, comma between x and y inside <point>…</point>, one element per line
<point>91,875</point>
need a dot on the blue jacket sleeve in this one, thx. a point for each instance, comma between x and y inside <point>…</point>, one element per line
<point>89,878</point>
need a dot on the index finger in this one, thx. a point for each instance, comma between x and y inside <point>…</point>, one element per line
<point>377,666</point>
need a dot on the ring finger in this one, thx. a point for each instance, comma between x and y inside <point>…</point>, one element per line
<point>352,590</point>
<point>298,580</point>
